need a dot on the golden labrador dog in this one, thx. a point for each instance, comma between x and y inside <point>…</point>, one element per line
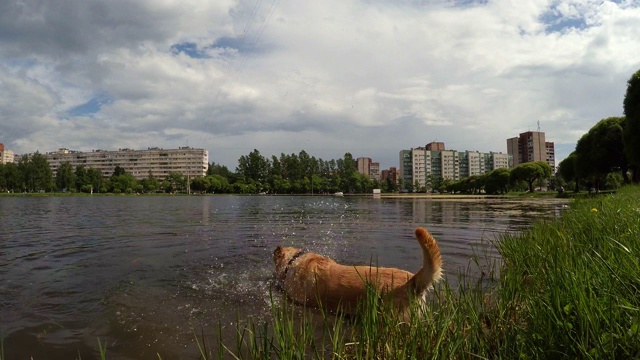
<point>308,278</point>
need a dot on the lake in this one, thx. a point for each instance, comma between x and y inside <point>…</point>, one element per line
<point>147,273</point>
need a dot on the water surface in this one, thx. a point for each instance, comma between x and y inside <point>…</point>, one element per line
<point>146,273</point>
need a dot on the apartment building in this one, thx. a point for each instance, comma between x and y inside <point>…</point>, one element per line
<point>435,146</point>
<point>374,171</point>
<point>405,171</point>
<point>449,165</point>
<point>420,166</point>
<point>155,162</point>
<point>472,163</point>
<point>531,146</point>
<point>6,155</point>
<point>368,167</point>
<point>496,160</point>
<point>551,155</point>
<point>391,174</point>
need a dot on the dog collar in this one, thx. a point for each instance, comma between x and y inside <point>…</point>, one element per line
<point>293,258</point>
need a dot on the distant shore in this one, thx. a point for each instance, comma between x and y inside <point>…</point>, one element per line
<point>510,196</point>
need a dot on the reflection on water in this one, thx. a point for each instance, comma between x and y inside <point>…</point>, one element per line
<point>147,273</point>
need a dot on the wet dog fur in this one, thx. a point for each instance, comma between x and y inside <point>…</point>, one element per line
<point>310,279</point>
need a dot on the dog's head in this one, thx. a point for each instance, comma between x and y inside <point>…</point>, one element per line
<point>281,257</point>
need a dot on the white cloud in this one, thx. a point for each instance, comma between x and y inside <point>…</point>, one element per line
<point>365,77</point>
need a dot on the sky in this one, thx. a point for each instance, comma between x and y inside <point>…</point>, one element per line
<point>368,77</point>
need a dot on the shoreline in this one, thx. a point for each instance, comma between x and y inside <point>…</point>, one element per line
<point>537,195</point>
<point>534,304</point>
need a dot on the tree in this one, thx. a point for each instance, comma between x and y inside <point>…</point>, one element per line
<point>417,187</point>
<point>81,177</point>
<point>150,184</point>
<point>389,185</point>
<point>36,173</point>
<point>439,184</point>
<point>174,182</point>
<point>200,183</point>
<point>530,172</point>
<point>95,181</point>
<point>567,170</point>
<point>218,184</point>
<point>253,168</point>
<point>346,166</point>
<point>118,171</point>
<point>217,169</point>
<point>600,151</point>
<point>12,178</point>
<point>65,177</point>
<point>497,181</point>
<point>3,181</point>
<point>320,184</point>
<point>631,135</point>
<point>613,181</point>
<point>125,183</point>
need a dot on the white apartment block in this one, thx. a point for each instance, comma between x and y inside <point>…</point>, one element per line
<point>155,162</point>
<point>450,165</point>
<point>420,166</point>
<point>472,163</point>
<point>496,160</point>
<point>6,155</point>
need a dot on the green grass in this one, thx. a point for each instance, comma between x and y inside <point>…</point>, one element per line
<point>574,284</point>
<point>568,288</point>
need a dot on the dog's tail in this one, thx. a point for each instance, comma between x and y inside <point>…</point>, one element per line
<point>431,270</point>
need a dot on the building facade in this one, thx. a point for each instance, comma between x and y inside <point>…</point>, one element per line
<point>496,160</point>
<point>6,155</point>
<point>153,162</point>
<point>551,155</point>
<point>405,170</point>
<point>421,166</point>
<point>436,146</point>
<point>391,174</point>
<point>368,167</point>
<point>531,146</point>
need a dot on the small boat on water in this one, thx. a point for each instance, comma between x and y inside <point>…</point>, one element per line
<point>339,193</point>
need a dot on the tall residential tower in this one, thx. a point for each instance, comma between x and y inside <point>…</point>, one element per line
<point>531,146</point>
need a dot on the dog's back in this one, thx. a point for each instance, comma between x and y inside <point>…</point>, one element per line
<point>315,277</point>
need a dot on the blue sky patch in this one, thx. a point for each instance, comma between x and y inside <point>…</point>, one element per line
<point>92,106</point>
<point>190,49</point>
<point>554,21</point>
<point>241,45</point>
<point>468,3</point>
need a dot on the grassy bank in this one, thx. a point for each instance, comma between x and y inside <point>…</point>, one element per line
<point>568,288</point>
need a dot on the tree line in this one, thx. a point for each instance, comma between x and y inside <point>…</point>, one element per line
<point>610,151</point>
<point>296,174</point>
<point>287,174</point>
